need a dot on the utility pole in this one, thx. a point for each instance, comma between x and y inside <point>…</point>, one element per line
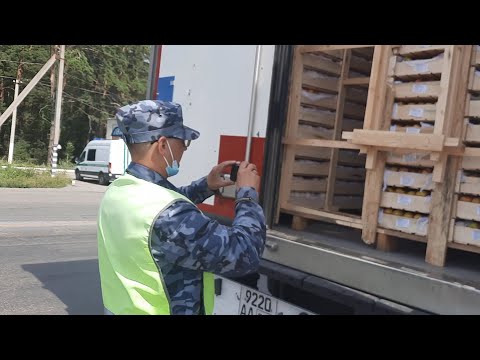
<point>58,110</point>
<point>27,90</point>
<point>14,122</point>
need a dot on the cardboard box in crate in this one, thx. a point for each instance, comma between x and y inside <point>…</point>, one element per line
<point>407,202</point>
<point>417,90</point>
<point>474,109</point>
<point>408,179</point>
<point>465,235</point>
<point>414,112</point>
<point>471,163</point>
<point>412,159</point>
<point>468,184</point>
<point>468,210</point>
<point>413,68</point>
<point>473,133</point>
<point>403,224</point>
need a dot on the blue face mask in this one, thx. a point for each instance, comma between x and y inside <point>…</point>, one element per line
<point>174,169</point>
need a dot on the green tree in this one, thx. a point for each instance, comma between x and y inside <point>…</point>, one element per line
<point>98,79</point>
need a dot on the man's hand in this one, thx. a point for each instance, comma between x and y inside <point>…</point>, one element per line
<point>248,176</point>
<point>215,179</point>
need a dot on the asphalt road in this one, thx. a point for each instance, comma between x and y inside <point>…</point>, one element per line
<point>48,250</point>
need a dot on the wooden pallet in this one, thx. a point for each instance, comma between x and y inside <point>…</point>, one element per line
<point>329,91</point>
<point>442,76</point>
<point>408,85</point>
<point>464,223</point>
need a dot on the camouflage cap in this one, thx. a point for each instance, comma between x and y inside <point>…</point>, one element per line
<point>148,120</point>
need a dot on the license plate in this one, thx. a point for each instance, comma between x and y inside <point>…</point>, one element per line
<point>256,303</point>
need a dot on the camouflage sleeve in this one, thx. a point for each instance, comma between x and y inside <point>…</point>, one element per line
<point>197,191</point>
<point>187,238</point>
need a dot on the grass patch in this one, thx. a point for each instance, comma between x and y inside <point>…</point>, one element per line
<point>62,164</point>
<point>29,178</point>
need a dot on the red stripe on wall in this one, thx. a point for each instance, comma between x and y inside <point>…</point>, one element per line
<point>233,148</point>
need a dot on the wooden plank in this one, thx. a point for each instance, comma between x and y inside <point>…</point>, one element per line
<point>357,81</point>
<point>447,85</point>
<point>386,243</point>
<point>321,64</point>
<point>375,119</point>
<point>421,49</point>
<point>337,131</point>
<point>476,55</point>
<point>313,132</point>
<point>318,153</point>
<point>326,119</point>
<point>351,110</point>
<point>317,118</point>
<point>411,129</point>
<point>331,86</point>
<point>320,169</point>
<point>320,84</point>
<point>395,140</point>
<point>346,202</point>
<point>360,65</point>
<point>336,144</point>
<point>299,223</point>
<point>320,48</point>
<point>377,86</point>
<point>291,130</point>
<point>320,185</point>
<point>340,219</point>
<point>470,248</point>
<point>372,155</point>
<point>402,235</point>
<point>365,52</point>
<point>453,107</point>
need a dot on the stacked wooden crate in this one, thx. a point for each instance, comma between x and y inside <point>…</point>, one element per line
<point>421,89</point>
<point>465,226</point>
<point>408,184</point>
<point>329,91</point>
<point>413,135</point>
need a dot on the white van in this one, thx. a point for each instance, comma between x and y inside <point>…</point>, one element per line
<point>104,160</point>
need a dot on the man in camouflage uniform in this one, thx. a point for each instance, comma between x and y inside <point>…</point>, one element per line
<point>185,243</point>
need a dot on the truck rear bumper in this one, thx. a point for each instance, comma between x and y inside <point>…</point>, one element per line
<point>322,268</point>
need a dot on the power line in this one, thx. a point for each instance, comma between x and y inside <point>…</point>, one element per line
<point>92,91</point>
<point>80,101</point>
<point>7,77</point>
<point>21,62</point>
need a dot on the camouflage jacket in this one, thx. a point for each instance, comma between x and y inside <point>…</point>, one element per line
<point>185,242</point>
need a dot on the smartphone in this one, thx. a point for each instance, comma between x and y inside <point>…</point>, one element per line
<point>233,173</point>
